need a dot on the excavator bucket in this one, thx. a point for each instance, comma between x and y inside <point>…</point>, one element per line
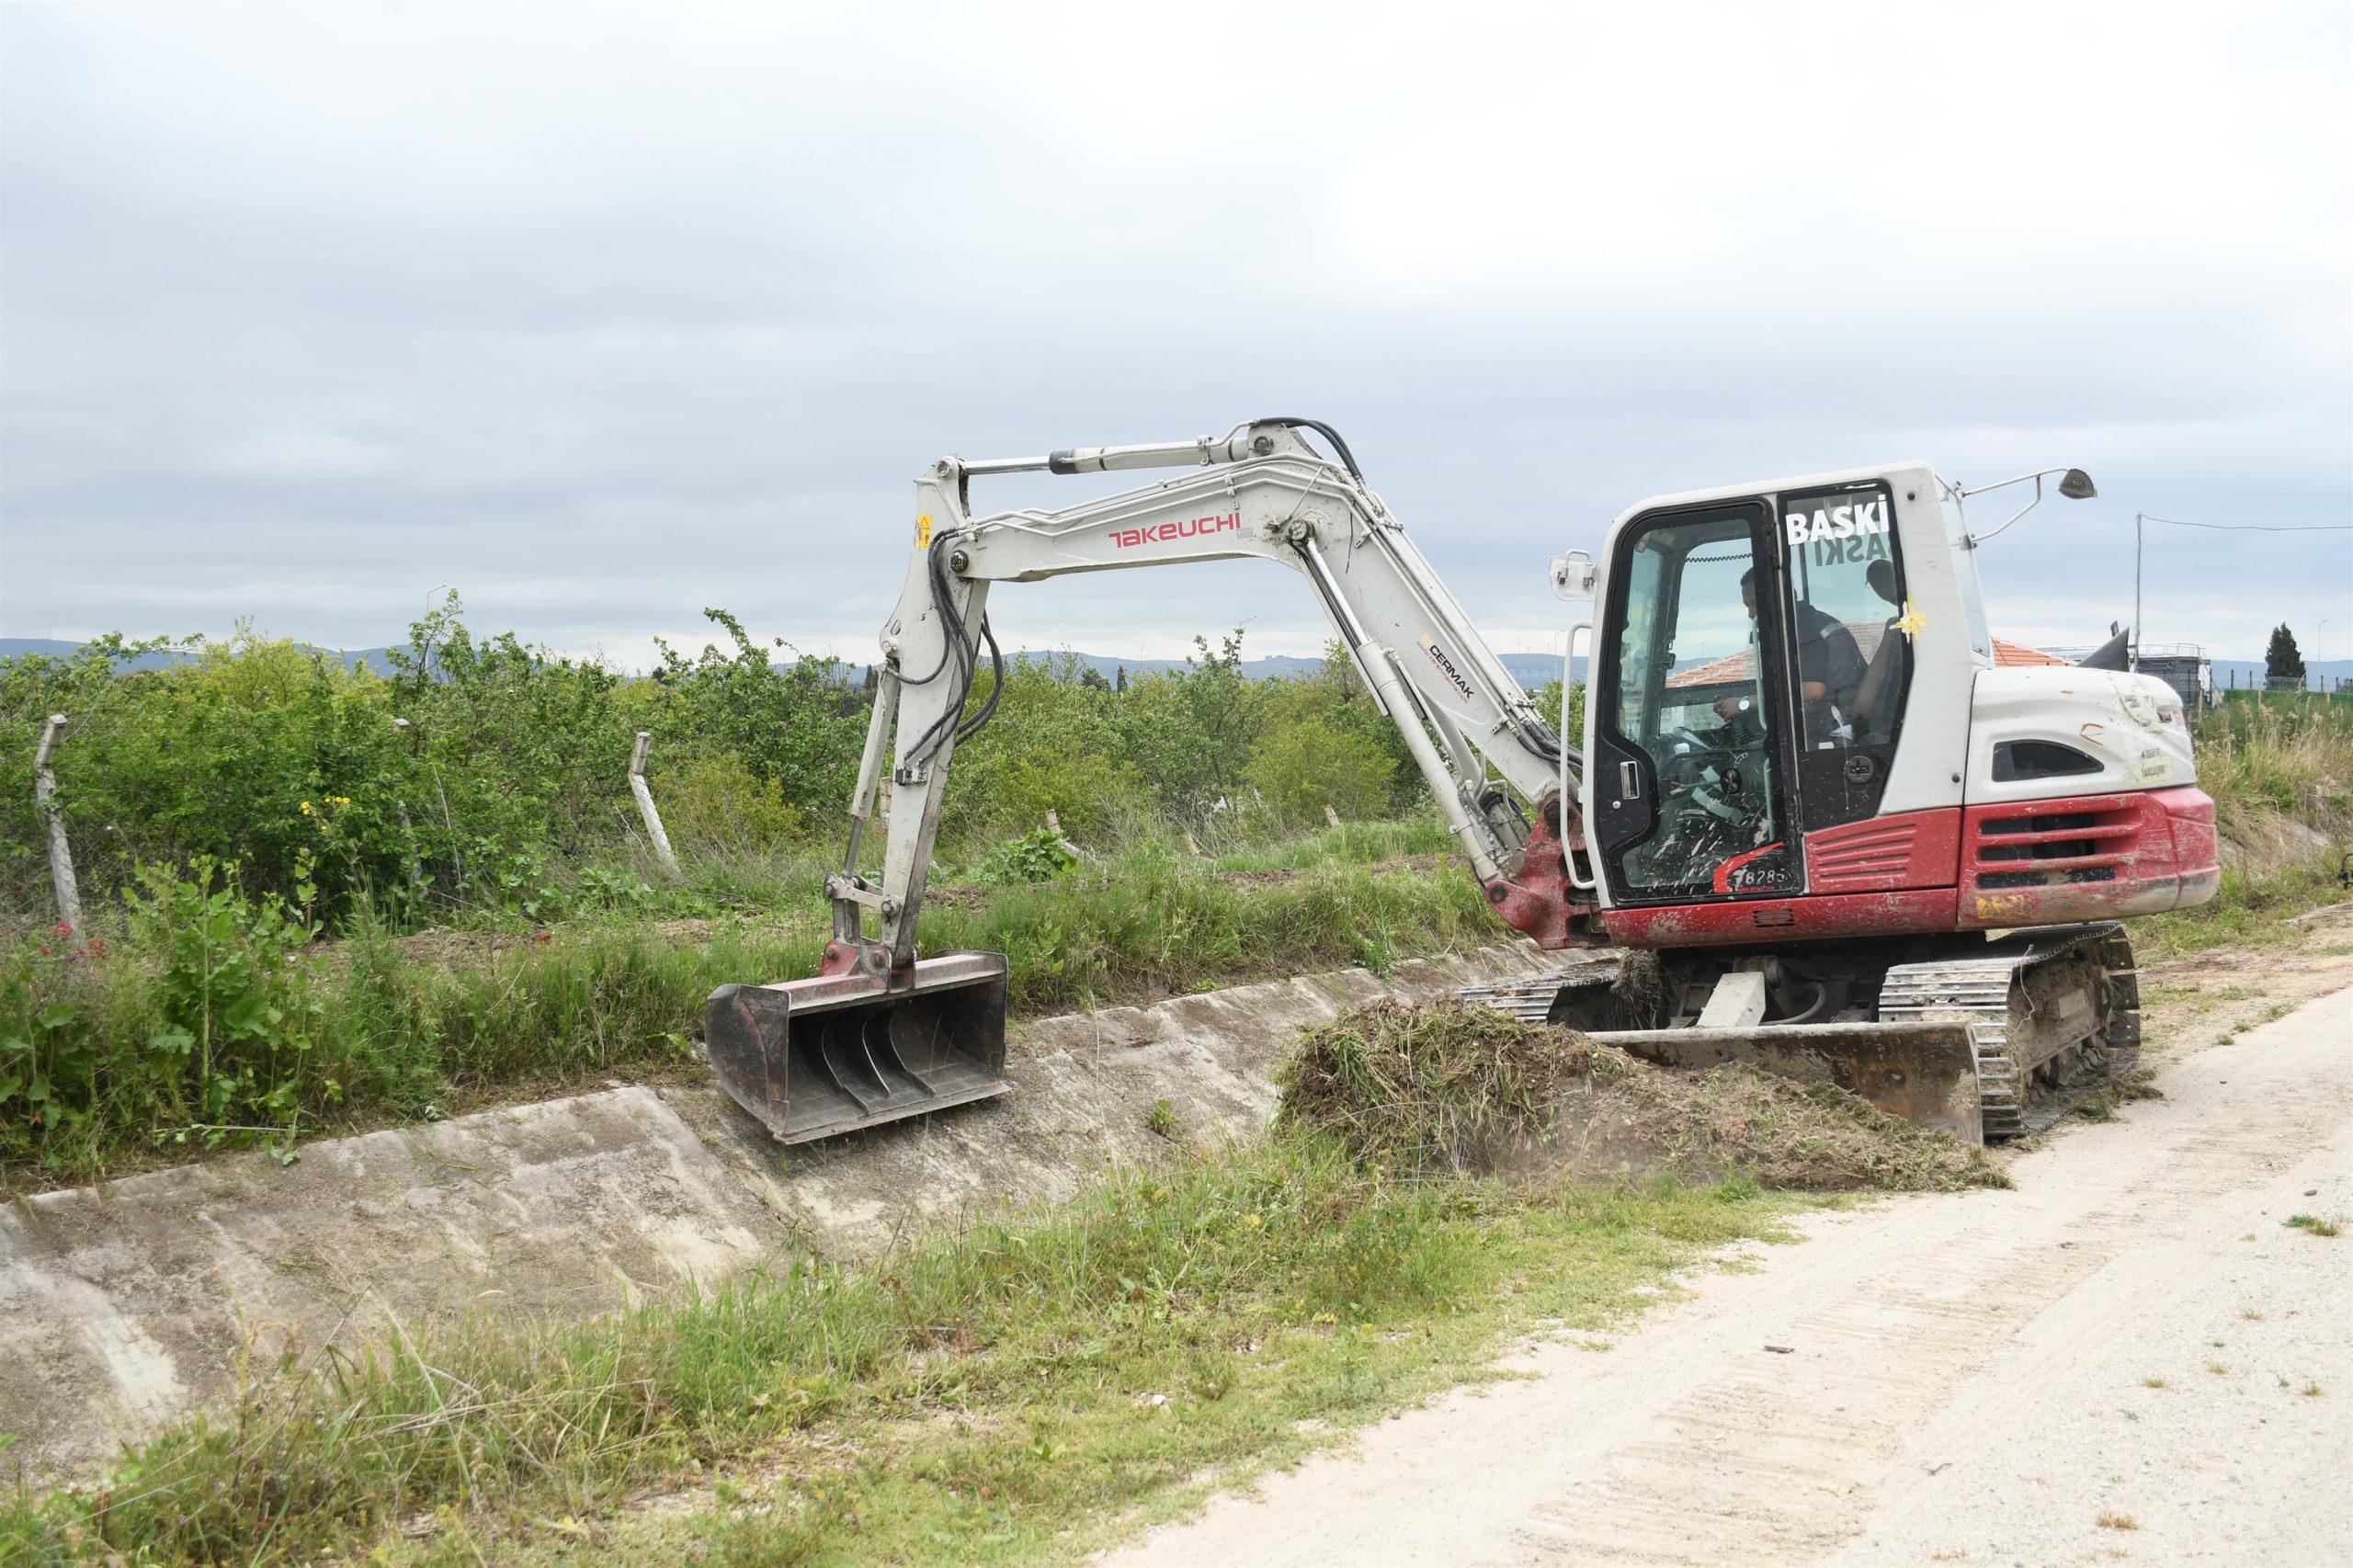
<point>813,1058</point>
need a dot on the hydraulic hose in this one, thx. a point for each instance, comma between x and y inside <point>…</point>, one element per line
<point>1347,458</point>
<point>957,646</point>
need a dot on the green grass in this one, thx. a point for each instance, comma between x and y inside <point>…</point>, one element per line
<point>1015,1392</point>
<point>2266,762</point>
<point>409,1030</point>
<point>2246,911</point>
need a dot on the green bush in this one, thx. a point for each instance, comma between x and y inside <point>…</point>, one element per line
<point>1037,858</point>
<point>1305,763</point>
<point>715,805</point>
<point>208,1026</point>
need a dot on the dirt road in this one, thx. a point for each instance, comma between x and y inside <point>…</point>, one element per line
<point>2130,1356</point>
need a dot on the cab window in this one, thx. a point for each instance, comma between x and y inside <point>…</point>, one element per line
<point>1686,767</point>
<point>1847,624</point>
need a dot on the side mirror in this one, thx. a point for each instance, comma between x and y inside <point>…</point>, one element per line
<point>1575,576</point>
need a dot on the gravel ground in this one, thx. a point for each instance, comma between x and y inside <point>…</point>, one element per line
<point>2132,1357</point>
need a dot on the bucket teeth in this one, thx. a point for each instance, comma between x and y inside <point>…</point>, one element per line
<point>813,1057</point>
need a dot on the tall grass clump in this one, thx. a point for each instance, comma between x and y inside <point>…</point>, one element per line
<point>2286,755</point>
<point>1424,1091</point>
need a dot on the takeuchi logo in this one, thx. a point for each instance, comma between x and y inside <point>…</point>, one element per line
<point>1188,528</point>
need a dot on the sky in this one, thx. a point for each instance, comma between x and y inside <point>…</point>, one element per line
<point>604,316</point>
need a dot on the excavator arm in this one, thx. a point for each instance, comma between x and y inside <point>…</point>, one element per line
<point>1262,491</point>
<point>881,1032</point>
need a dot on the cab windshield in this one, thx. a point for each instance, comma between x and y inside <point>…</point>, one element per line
<point>1689,696</point>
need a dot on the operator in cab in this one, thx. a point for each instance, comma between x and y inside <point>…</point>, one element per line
<point>1830,672</point>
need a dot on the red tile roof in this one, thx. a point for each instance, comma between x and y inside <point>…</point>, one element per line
<point>2007,654</point>
<point>1734,666</point>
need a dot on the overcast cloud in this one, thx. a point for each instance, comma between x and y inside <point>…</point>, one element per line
<point>605,315</point>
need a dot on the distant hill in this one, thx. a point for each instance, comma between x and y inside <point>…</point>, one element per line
<point>57,648</point>
<point>1531,670</point>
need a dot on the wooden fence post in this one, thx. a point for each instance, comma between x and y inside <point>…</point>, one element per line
<point>638,787</point>
<point>61,857</point>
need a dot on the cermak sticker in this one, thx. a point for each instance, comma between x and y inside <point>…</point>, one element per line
<point>1445,665</point>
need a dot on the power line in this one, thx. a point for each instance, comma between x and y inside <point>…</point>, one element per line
<point>2256,527</point>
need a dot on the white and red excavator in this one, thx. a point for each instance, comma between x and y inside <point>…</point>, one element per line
<point>1856,850</point>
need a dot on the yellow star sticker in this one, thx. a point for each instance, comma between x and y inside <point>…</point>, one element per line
<point>1912,622</point>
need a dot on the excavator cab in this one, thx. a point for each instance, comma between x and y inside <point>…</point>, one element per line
<point>1750,689</point>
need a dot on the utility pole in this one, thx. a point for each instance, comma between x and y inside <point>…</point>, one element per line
<point>2133,663</point>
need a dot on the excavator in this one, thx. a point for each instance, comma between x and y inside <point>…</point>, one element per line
<point>1813,825</point>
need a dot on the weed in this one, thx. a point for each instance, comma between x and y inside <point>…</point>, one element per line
<point>2311,1224</point>
<point>2311,1389</point>
<point>1039,856</point>
<point>380,1027</point>
<point>1162,1122</point>
<point>2152,1381</point>
<point>2218,1369</point>
<point>2123,1089</point>
<point>2110,1520</point>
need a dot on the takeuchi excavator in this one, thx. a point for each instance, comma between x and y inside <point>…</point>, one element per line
<point>1813,825</point>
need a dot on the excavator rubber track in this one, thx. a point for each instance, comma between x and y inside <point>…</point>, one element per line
<point>2051,1015</point>
<point>1996,1044</point>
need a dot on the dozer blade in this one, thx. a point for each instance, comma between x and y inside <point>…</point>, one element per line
<point>1922,1072</point>
<point>813,1058</point>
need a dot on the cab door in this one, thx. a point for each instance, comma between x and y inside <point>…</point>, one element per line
<point>1690,755</point>
<point>1851,631</point>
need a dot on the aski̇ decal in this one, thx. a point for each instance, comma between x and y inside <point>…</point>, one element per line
<point>1446,665</point>
<point>1841,533</point>
<point>1188,528</point>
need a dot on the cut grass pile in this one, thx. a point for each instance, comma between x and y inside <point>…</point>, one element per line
<point>1452,1088</point>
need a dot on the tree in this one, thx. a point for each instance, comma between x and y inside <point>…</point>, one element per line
<point>1305,763</point>
<point>1191,731</point>
<point>2282,663</point>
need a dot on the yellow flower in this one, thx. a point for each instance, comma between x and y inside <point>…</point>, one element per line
<point>306,808</point>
